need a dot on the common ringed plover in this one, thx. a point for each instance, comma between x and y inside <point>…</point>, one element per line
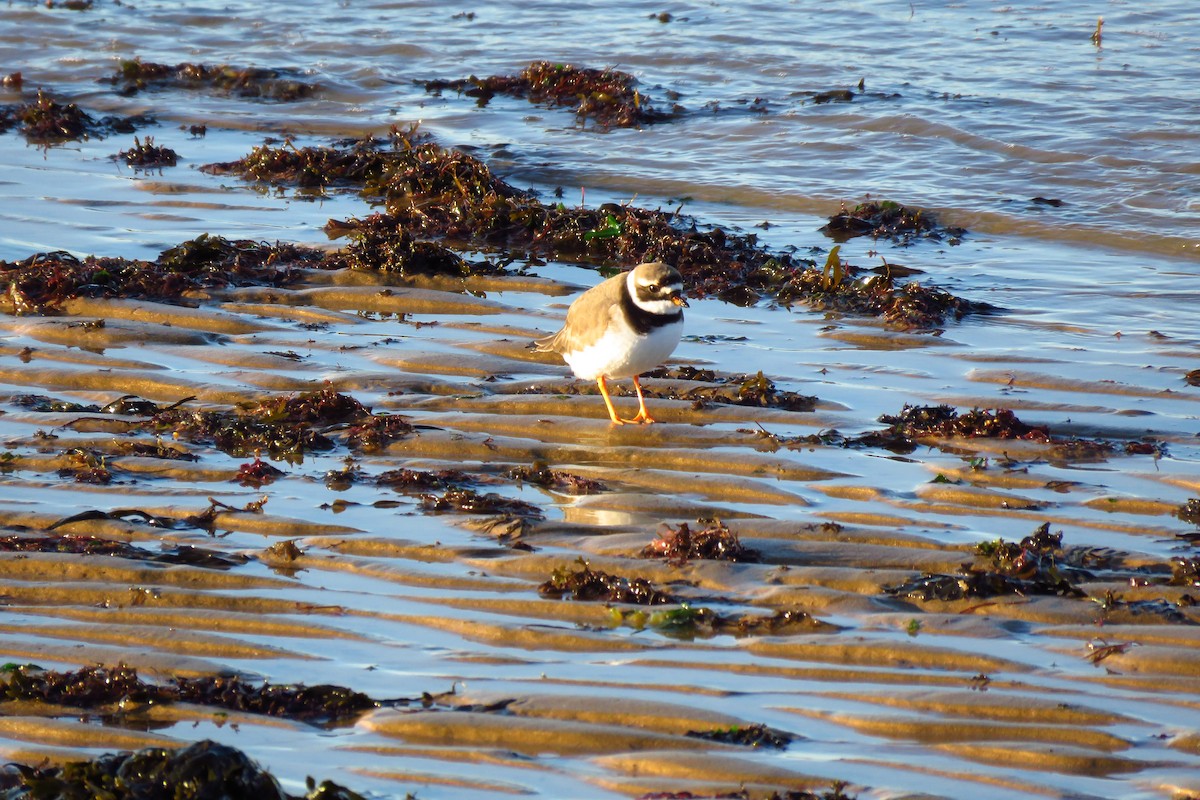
<point>621,328</point>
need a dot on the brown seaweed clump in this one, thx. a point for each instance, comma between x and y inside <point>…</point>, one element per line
<point>355,162</point>
<point>415,480</point>
<point>323,704</point>
<point>373,433</point>
<point>95,546</point>
<point>469,501</point>
<point>739,390</point>
<point>147,155</point>
<point>41,283</point>
<point>757,736</point>
<point>285,426</point>
<point>257,473</point>
<point>835,792</point>
<point>325,406</point>
<point>204,520</point>
<point>200,771</point>
<point>716,542</point>
<point>242,435</point>
<point>889,220</point>
<point>838,286</point>
<point>609,97</point>
<point>1032,567</point>
<point>1190,511</point>
<point>86,466</point>
<point>98,686</point>
<point>591,585</point>
<point>46,121</point>
<point>136,75</point>
<point>541,475</point>
<point>915,422</point>
<point>435,193</point>
<point>1185,571</point>
<point>915,425</point>
<point>686,621</point>
<point>377,245</point>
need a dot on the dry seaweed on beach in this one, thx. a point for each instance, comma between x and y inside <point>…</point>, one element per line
<point>324,406</point>
<point>914,426</point>
<point>348,163</point>
<point>845,288</point>
<point>135,75</point>
<point>978,583</point>
<point>200,771</point>
<point>609,97</point>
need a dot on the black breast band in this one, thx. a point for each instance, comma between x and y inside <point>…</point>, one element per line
<point>641,320</point>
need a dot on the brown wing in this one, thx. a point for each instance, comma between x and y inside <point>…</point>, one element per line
<point>587,318</point>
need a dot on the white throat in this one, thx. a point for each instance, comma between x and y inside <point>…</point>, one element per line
<point>651,306</point>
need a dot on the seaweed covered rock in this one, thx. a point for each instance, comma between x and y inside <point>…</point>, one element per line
<point>46,121</point>
<point>100,687</point>
<point>889,220</point>
<point>135,75</point>
<point>206,770</point>
<point>609,97</point>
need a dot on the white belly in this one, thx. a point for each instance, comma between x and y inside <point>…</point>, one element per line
<point>621,353</point>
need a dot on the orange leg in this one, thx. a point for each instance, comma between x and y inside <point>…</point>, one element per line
<point>642,415</point>
<point>612,412</point>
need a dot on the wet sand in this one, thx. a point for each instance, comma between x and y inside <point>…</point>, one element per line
<point>1007,694</point>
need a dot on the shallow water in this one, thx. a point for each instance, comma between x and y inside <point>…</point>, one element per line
<point>971,111</point>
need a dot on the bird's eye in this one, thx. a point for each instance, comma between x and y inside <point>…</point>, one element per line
<point>653,288</point>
